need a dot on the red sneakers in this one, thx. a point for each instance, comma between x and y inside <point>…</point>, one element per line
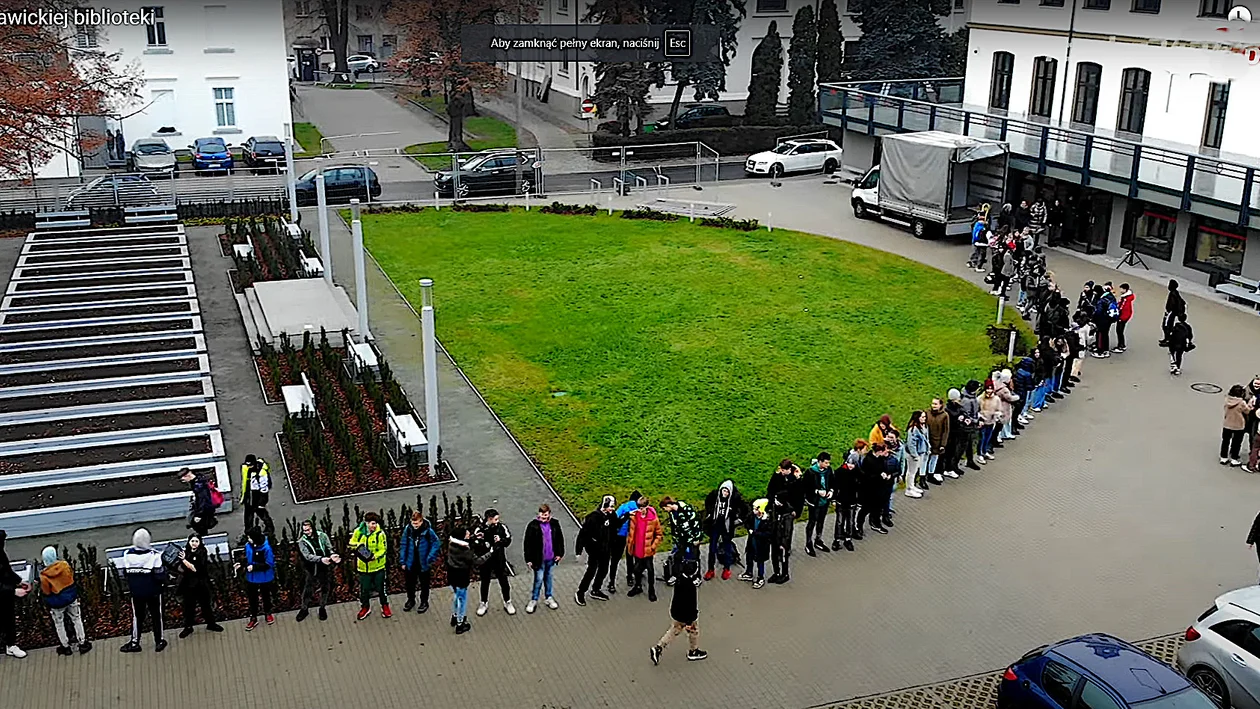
<point>253,623</point>
<point>364,612</point>
<point>726,574</point>
<point>708,575</point>
<point>385,612</point>
<point>271,619</point>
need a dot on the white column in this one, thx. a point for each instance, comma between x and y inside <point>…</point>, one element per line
<point>430,369</point>
<point>290,176</point>
<point>360,271</point>
<point>325,249</point>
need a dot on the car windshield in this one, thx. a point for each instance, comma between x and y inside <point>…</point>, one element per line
<point>1189,698</point>
<point>783,148</point>
<point>474,163</point>
<point>212,146</point>
<point>310,176</point>
<point>269,146</point>
<point>151,149</point>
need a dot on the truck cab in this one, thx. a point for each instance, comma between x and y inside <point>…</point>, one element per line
<point>866,194</point>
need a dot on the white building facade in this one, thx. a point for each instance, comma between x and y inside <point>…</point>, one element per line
<point>1172,75</point>
<point>212,68</point>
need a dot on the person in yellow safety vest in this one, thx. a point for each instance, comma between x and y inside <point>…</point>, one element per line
<point>255,489</point>
<point>369,544</point>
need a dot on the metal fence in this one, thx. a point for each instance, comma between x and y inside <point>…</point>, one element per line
<point>127,189</point>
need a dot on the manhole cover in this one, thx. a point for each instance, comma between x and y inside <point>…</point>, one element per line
<point>1206,388</point>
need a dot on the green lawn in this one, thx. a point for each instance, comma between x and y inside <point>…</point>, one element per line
<point>667,357</point>
<point>309,137</point>
<point>484,133</point>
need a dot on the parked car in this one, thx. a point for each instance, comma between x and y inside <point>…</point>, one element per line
<point>342,183</point>
<point>693,115</point>
<point>115,189</point>
<point>490,172</point>
<point>1222,650</point>
<point>211,155</point>
<point>1096,672</point>
<point>151,155</point>
<point>363,62</point>
<point>263,151</point>
<point>804,155</point>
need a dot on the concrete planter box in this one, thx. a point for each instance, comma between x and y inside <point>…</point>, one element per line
<point>28,444</point>
<point>90,256</point>
<point>120,269</point>
<point>76,234</point>
<point>20,338</point>
<point>140,349</point>
<point>108,513</point>
<point>102,245</point>
<point>130,311</point>
<point>88,473</point>
<point>113,397</point>
<point>202,363</point>
<point>97,283</point>
<point>134,294</point>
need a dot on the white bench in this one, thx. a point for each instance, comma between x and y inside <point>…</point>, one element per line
<point>61,220</point>
<point>156,214</point>
<point>1240,289</point>
<point>363,359</point>
<point>293,230</point>
<point>243,251</point>
<point>25,570</point>
<point>216,545</point>
<point>404,435</point>
<point>311,266</point>
<point>299,399</point>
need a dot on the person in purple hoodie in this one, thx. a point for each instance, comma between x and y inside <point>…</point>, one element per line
<point>544,548</point>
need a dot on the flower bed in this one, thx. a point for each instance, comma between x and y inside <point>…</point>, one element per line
<point>193,444</point>
<point>344,452</point>
<point>100,424</point>
<point>276,255</point>
<point>99,396</point>
<point>107,613</point>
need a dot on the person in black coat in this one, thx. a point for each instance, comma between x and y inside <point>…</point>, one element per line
<point>819,486</point>
<point>1253,536</point>
<point>195,587</point>
<point>873,479</point>
<point>786,495</point>
<point>684,611</point>
<point>724,510</point>
<point>1180,341</point>
<point>847,497</point>
<point>1174,307</point>
<point>757,548</point>
<point>495,537</point>
<point>597,538</point>
<point>201,509</point>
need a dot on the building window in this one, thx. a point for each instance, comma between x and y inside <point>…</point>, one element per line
<point>325,43</point>
<point>362,13</point>
<point>1044,71</point>
<point>1008,2</point>
<point>1149,230</point>
<point>156,31</point>
<point>1150,7</point>
<point>302,8</point>
<point>1135,88</point>
<point>1052,3</point>
<point>1097,4</point>
<point>1215,245</point>
<point>1085,105</point>
<point>771,6</point>
<point>389,45</point>
<point>365,44</point>
<point>562,7</point>
<point>1000,86</point>
<point>85,37</point>
<point>1214,8</point>
<point>1214,123</point>
<point>960,5</point>
<point>225,107</point>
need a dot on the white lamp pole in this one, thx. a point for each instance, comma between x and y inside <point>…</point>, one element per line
<point>290,177</point>
<point>430,369</point>
<point>360,271</point>
<point>325,250</point>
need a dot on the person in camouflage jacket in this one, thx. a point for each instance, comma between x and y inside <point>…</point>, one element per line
<point>685,528</point>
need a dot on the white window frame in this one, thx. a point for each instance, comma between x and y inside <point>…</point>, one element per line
<point>224,106</point>
<point>86,37</point>
<point>155,34</point>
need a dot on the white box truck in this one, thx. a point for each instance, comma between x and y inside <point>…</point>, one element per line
<point>932,181</point>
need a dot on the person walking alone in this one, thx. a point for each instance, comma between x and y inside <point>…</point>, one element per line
<point>260,577</point>
<point>1174,310</point>
<point>201,507</point>
<point>418,549</point>
<point>918,449</point>
<point>370,544</point>
<point>1237,409</point>
<point>1125,300</point>
<point>146,577</point>
<point>1180,341</point>
<point>318,560</point>
<point>683,612</point>
<point>255,491</point>
<point>544,548</point>
<point>195,586</point>
<point>723,512</point>
<point>61,595</point>
<point>596,538</point>
<point>819,492</point>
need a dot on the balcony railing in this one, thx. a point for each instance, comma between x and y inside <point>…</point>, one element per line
<point>1214,184</point>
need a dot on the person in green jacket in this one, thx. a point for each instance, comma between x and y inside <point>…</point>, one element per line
<point>369,544</point>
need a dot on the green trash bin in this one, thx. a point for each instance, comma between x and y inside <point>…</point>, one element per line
<point>649,128</point>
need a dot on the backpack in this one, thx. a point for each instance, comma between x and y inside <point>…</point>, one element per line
<point>216,497</point>
<point>1113,311</point>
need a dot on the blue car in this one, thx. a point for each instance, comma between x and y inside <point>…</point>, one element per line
<point>211,154</point>
<point>1096,672</point>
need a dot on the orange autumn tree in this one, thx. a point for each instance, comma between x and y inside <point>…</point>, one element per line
<point>431,51</point>
<point>46,82</point>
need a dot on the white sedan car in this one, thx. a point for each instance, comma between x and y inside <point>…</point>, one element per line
<point>362,62</point>
<point>796,156</point>
<point>1222,650</point>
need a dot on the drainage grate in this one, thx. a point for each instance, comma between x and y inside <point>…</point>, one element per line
<point>978,691</point>
<point>1206,388</point>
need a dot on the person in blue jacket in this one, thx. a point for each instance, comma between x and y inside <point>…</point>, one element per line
<point>979,246</point>
<point>623,513</point>
<point>417,551</point>
<point>260,576</point>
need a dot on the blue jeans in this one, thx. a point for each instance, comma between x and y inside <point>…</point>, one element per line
<point>542,574</point>
<point>459,608</point>
<point>931,463</point>
<point>1039,394</point>
<point>986,439</point>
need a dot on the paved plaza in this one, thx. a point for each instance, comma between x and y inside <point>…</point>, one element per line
<point>1109,514</point>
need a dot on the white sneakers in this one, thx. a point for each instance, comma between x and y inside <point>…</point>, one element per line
<point>936,478</point>
<point>482,608</point>
<point>914,492</point>
<point>511,609</point>
<point>15,651</point>
<point>551,603</point>
<point>531,606</point>
<point>951,475</point>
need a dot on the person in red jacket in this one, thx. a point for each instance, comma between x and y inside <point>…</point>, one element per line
<point>1126,298</point>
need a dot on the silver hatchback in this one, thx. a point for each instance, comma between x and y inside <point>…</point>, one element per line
<point>1222,650</point>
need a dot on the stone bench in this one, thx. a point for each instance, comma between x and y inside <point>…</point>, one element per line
<point>217,545</point>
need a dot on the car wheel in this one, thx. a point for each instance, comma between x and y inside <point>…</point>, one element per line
<point>526,187</point>
<point>776,171</point>
<point>920,229</point>
<point>830,167</point>
<point>859,209</point>
<point>1211,684</point>
<point>463,190</point>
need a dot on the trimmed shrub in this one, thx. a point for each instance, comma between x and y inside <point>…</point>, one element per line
<point>651,214</point>
<point>572,209</point>
<point>728,223</point>
<point>479,207</point>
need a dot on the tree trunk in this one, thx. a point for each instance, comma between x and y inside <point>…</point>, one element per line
<point>337,22</point>
<point>673,107</point>
<point>472,104</point>
<point>456,110</point>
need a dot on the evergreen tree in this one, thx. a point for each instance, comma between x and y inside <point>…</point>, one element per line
<point>767,75</point>
<point>901,39</point>
<point>621,88</point>
<point>954,58</point>
<point>802,58</point>
<point>707,79</point>
<point>830,42</point>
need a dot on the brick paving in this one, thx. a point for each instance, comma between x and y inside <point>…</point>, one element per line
<point>1110,514</point>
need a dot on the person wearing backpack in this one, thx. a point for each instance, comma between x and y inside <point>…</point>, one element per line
<point>1180,341</point>
<point>369,544</point>
<point>255,490</point>
<point>204,504</point>
<point>1106,313</point>
<point>1126,314</point>
<point>979,246</point>
<point>260,576</point>
<point>61,595</point>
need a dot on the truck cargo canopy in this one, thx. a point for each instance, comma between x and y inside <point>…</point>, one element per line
<point>914,167</point>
